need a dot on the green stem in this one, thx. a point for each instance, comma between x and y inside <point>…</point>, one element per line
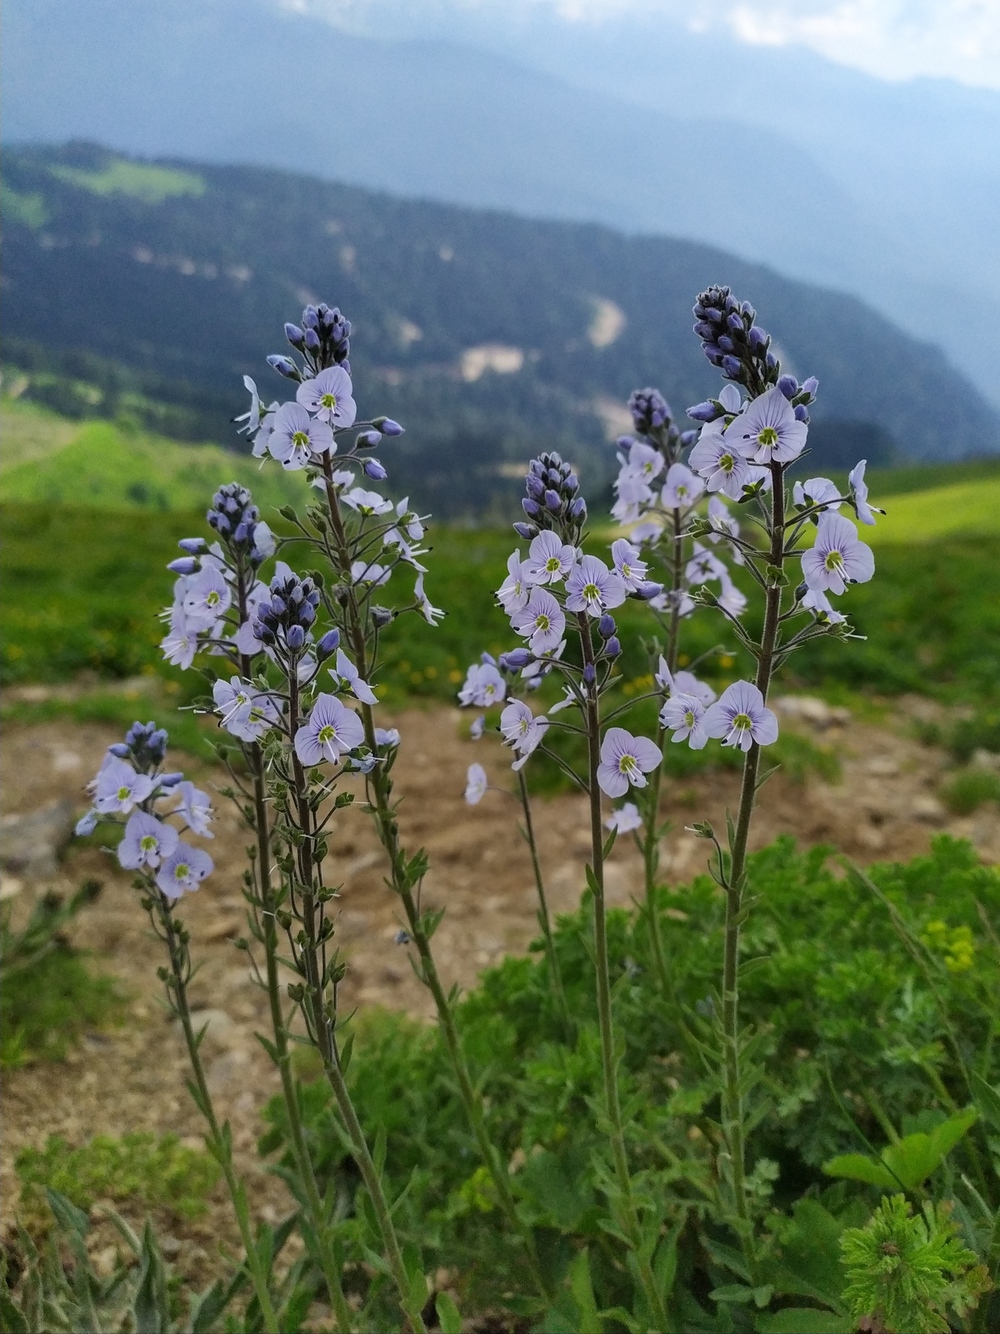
<point>732,1097</point>
<point>219,1138</point>
<point>268,924</point>
<point>609,1060</point>
<point>322,1023</point>
<point>543,908</point>
<point>380,789</point>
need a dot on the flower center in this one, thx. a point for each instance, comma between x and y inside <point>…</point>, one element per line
<point>552,565</point>
<point>834,561</point>
<point>329,400</point>
<point>591,592</point>
<point>182,871</point>
<point>542,621</point>
<point>689,718</point>
<point>212,599</point>
<point>743,722</point>
<point>626,765</point>
<point>767,438</point>
<point>122,793</point>
<point>300,439</point>
<point>626,571</point>
<point>727,462</point>
<point>148,842</point>
<point>327,734</point>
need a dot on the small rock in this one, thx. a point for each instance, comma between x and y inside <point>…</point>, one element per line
<point>10,887</point>
<point>928,810</point>
<point>222,1032</point>
<point>66,761</point>
<point>882,767</point>
<point>985,759</point>
<point>30,844</point>
<point>814,711</point>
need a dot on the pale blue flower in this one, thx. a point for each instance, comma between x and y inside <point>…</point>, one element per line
<point>476,784</point>
<point>740,717</point>
<point>347,676</point>
<point>681,488</point>
<point>767,431</point>
<point>386,738</point>
<point>818,603</point>
<point>625,819</point>
<point>643,464</point>
<point>838,556</point>
<point>593,588</point>
<point>703,566</point>
<point>118,788</point>
<point>147,842</point>
<point>297,439</point>
<point>549,559</point>
<point>477,728</point>
<point>859,494</point>
<point>717,460</point>
<point>332,730</point>
<point>625,759</point>
<point>483,686</point>
<point>180,644</point>
<point>367,503</point>
<point>195,809</point>
<point>207,596</point>
<point>683,683</point>
<point>817,491</point>
<point>521,730</point>
<point>371,573</point>
<point>428,611</point>
<point>629,563</point>
<point>246,713</point>
<point>86,824</point>
<point>684,715</point>
<point>183,871</point>
<point>329,397</point>
<point>541,621</point>
<point>730,598</point>
<point>515,590</point>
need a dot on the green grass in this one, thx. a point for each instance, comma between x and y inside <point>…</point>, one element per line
<point>961,509</point>
<point>137,180</point>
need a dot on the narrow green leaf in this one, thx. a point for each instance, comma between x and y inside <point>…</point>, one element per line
<point>582,1288</point>
<point>449,1317</point>
<point>804,1320</point>
<point>988,1099</point>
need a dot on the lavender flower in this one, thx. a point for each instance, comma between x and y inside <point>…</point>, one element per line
<point>347,676</point>
<point>629,564</point>
<point>207,596</point>
<point>183,871</point>
<point>522,730</point>
<point>624,819</point>
<point>684,715</point>
<point>730,598</point>
<point>386,738</point>
<point>428,611</point>
<point>515,590</point>
<point>246,713</point>
<point>719,461</point>
<point>625,759</point>
<point>541,621</point>
<point>683,683</point>
<point>768,431</point>
<point>296,438</point>
<point>681,488</point>
<point>816,491</point>
<point>477,727</point>
<point>549,559</point>
<point>649,409</point>
<point>593,588</point>
<point>180,644</point>
<point>476,784</point>
<point>838,557</point>
<point>859,494</point>
<point>483,686</point>
<point>328,397</point>
<point>331,730</point>
<point>740,717</point>
<point>818,603</point>
<point>367,503</point>
<point>87,823</point>
<point>118,787</point>
<point>371,573</point>
<point>195,809</point>
<point>147,842</point>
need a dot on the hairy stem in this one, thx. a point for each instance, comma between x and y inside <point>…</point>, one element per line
<point>544,919</point>
<point>380,790</point>
<point>267,922</point>
<point>609,1059</point>
<point>219,1138</point>
<point>732,1098</point>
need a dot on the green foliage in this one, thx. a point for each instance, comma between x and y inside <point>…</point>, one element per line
<point>907,1162</point>
<point>906,1272</point>
<point>969,789</point>
<point>142,1168</point>
<point>27,209</point>
<point>134,180</point>
<point>48,996</point>
<point>853,1031</point>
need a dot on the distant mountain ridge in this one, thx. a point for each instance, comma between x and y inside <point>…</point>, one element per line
<point>885,191</point>
<point>488,335</point>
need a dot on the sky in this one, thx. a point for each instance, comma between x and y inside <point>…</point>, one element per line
<point>891,39</point>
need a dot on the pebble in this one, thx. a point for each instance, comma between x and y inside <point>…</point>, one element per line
<point>814,711</point>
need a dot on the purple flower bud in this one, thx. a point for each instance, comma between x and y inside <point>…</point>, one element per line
<point>811,385</point>
<point>526,530</point>
<point>284,366</point>
<point>183,565</point>
<point>310,317</point>
<point>311,341</point>
<point>703,412</point>
<point>748,310</point>
<point>734,322</point>
<point>368,439</point>
<point>625,443</point>
<point>771,362</point>
<point>704,330</point>
<point>801,414</point>
<point>387,426</point>
<point>381,617</point>
<point>606,626</point>
<point>731,367</point>
<point>278,605</point>
<point>530,508</point>
<point>328,643</point>
<point>307,615</point>
<point>589,674</point>
<point>192,545</point>
<point>171,780</point>
<point>374,470</point>
<point>294,335</point>
<point>553,501</point>
<point>120,749</point>
<point>534,486</point>
<point>572,482</point>
<point>726,344</point>
<point>789,386</point>
<point>699,311</point>
<point>613,647</point>
<point>688,438</point>
<point>758,337</point>
<point>515,659</point>
<point>647,590</point>
<point>578,509</point>
<point>295,637</point>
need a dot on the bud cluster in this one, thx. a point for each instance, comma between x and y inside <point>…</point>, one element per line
<point>236,519</point>
<point>286,618</point>
<point>145,747</point>
<point>324,339</point>
<point>553,500</point>
<point>732,340</point>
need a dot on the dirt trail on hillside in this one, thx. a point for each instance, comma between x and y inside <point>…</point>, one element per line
<point>133,1078</point>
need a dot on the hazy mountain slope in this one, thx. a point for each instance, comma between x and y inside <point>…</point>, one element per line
<point>489,335</point>
<point>823,173</point>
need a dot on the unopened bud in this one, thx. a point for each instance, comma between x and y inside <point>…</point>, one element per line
<point>381,617</point>
<point>515,659</point>
<point>328,644</point>
<point>374,470</point>
<point>284,366</point>
<point>387,426</point>
<point>606,626</point>
<point>526,530</point>
<point>295,637</point>
<point>294,335</point>
<point>613,647</point>
<point>194,546</point>
<point>368,439</point>
<point>183,565</point>
<point>589,674</point>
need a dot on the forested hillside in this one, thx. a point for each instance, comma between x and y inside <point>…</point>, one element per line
<point>149,290</point>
